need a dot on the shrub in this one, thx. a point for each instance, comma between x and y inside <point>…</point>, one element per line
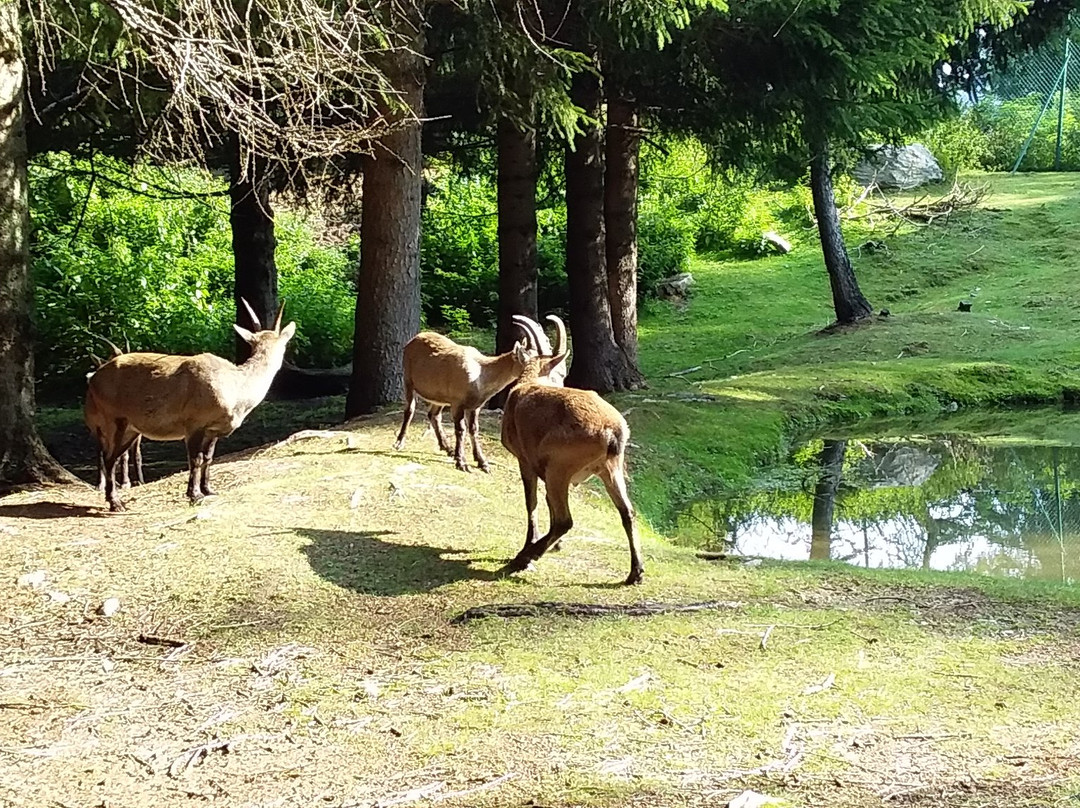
<point>156,274</point>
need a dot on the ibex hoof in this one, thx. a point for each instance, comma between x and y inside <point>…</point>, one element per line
<point>463,466</point>
<point>484,467</point>
<point>209,492</point>
<point>399,445</point>
<point>634,578</point>
<point>195,497</point>
<point>556,547</point>
<point>516,565</point>
<point>116,506</point>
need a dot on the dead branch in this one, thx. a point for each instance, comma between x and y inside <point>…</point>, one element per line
<point>645,609</point>
<point>924,211</point>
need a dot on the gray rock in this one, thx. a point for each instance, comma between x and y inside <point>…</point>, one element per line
<point>898,166</point>
<point>677,286</point>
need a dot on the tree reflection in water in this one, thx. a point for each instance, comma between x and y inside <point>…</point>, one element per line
<point>944,503</point>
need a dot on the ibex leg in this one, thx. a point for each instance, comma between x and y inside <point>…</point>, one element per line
<point>457,414</point>
<point>410,408</point>
<point>208,458</point>
<point>196,447</point>
<point>474,435</point>
<point>137,448</point>
<point>615,483</point>
<point>434,417</point>
<point>123,438</point>
<point>558,499</point>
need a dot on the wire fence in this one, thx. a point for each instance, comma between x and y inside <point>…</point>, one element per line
<point>1032,109</point>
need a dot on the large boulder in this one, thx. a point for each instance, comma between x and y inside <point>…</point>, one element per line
<point>898,167</point>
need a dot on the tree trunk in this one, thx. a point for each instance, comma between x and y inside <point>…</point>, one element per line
<point>598,362</point>
<point>848,300</point>
<point>388,283</point>
<point>620,220</point>
<point>253,241</point>
<point>23,457</point>
<point>821,520</point>
<point>517,234</point>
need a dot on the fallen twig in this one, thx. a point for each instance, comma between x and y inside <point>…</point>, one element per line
<point>644,609</point>
<point>765,637</point>
<point>152,639</point>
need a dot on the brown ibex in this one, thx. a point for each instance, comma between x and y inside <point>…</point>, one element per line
<point>564,436</point>
<point>197,399</point>
<point>446,374</point>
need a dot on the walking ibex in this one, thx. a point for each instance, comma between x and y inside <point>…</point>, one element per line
<point>564,436</point>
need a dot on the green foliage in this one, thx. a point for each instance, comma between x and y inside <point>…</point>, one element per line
<point>115,255</point>
<point>958,144</point>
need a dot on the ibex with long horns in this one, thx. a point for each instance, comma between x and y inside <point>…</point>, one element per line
<point>197,399</point>
<point>564,436</point>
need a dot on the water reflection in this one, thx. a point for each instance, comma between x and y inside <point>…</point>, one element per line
<point>945,504</point>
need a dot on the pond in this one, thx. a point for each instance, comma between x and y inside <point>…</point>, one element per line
<point>991,503</point>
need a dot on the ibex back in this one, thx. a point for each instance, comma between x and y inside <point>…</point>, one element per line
<point>197,399</point>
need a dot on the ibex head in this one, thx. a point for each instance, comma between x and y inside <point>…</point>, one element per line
<point>552,362</point>
<point>265,341</point>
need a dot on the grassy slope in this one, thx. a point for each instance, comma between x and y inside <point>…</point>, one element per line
<point>945,689</point>
<point>754,328</point>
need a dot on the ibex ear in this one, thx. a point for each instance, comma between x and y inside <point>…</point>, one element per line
<point>245,335</point>
<point>288,331</point>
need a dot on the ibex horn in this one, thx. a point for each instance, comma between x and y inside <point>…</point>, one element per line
<point>536,331</point>
<point>277,322</point>
<point>252,314</point>
<point>561,346</point>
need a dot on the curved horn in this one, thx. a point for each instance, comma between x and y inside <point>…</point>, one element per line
<point>530,337</point>
<point>561,343</point>
<point>252,314</point>
<point>539,339</point>
<point>277,322</point>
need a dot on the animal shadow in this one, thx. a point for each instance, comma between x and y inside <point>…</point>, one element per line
<point>365,562</point>
<point>50,510</point>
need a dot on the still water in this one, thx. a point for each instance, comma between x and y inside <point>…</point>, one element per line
<point>934,502</point>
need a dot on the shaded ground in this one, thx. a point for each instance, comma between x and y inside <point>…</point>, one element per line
<point>290,642</point>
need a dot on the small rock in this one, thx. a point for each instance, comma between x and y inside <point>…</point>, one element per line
<point>57,596</point>
<point>35,579</point>
<point>964,305</point>
<point>109,607</point>
<point>884,313</point>
<point>107,665</point>
<point>772,239</point>
<point>675,287</point>
<point>952,406</point>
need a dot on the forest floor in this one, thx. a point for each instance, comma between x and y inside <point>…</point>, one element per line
<point>301,638</point>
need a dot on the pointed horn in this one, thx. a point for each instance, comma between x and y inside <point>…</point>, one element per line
<point>530,338</point>
<point>561,346</point>
<point>252,314</point>
<point>277,322</point>
<point>533,329</point>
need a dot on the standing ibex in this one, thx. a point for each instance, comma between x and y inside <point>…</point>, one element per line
<point>446,374</point>
<point>564,436</point>
<point>197,399</point>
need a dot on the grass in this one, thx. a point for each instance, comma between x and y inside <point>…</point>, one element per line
<point>755,330</point>
<point>311,604</point>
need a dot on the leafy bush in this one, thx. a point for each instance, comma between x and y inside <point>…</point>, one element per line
<point>156,273</point>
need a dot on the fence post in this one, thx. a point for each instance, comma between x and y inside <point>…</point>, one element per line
<point>1061,108</point>
<point>1031,134</point>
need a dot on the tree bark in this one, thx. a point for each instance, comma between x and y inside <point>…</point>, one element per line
<point>598,362</point>
<point>388,282</point>
<point>620,220</point>
<point>23,457</point>
<point>253,241</point>
<point>821,520</point>
<point>517,171</point>
<point>848,300</point>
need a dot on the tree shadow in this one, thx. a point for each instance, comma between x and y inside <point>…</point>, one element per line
<point>365,562</point>
<point>51,510</point>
